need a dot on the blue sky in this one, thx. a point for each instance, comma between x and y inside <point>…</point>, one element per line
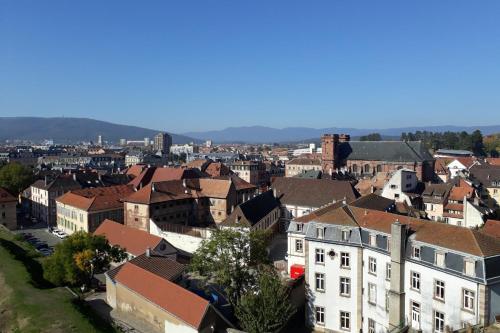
<point>203,65</point>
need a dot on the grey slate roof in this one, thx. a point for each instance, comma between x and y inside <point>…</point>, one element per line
<point>392,151</point>
<point>252,211</point>
<point>487,175</point>
<point>374,201</point>
<point>312,192</point>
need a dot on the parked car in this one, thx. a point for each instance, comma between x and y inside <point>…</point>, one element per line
<point>60,234</point>
<point>41,245</point>
<point>45,252</point>
<point>27,235</point>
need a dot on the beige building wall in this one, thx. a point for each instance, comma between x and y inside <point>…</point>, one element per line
<point>8,215</point>
<point>71,219</point>
<point>137,215</point>
<point>295,169</point>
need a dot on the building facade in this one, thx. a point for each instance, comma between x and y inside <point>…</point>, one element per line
<point>374,271</point>
<point>8,214</point>
<point>162,143</point>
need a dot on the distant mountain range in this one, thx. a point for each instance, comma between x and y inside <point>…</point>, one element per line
<point>262,134</point>
<point>71,130</point>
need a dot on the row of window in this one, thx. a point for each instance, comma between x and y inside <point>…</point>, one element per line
<point>345,319</point>
<point>468,296</point>
<point>440,260</point>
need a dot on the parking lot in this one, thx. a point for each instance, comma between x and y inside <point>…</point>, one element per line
<point>39,236</point>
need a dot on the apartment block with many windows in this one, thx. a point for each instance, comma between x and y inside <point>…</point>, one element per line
<point>374,271</point>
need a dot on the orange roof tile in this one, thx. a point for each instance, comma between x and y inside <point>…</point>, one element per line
<point>97,199</point>
<point>133,240</point>
<point>491,228</point>
<point>182,303</point>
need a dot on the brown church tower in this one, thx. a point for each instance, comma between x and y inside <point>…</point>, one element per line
<point>329,143</point>
<point>329,151</point>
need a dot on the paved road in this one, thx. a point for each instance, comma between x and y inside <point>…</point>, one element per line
<point>40,231</point>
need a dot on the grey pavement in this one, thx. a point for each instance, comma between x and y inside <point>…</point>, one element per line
<point>40,231</point>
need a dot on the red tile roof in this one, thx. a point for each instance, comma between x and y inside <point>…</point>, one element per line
<point>155,174</point>
<point>491,228</point>
<point>493,161</point>
<point>448,236</point>
<point>174,299</point>
<point>175,190</point>
<point>133,240</point>
<point>97,199</point>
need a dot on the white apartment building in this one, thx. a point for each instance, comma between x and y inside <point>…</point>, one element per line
<point>401,183</point>
<point>373,271</point>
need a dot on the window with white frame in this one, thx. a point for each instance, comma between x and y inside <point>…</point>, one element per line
<point>438,322</point>
<point>373,240</point>
<point>320,256</point>
<point>345,286</point>
<point>388,271</point>
<point>468,299</point>
<point>345,260</point>
<point>388,247</point>
<point>372,265</point>
<point>470,267</point>
<point>415,281</point>
<point>345,320</point>
<point>320,281</point>
<point>320,232</point>
<point>345,235</point>
<point>371,325</point>
<point>372,293</point>
<point>299,245</point>
<point>300,226</point>
<point>439,290</point>
<point>439,259</point>
<point>415,252</point>
<point>320,315</point>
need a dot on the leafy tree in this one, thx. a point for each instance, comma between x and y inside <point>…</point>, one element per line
<point>371,137</point>
<point>266,307</point>
<point>15,177</point>
<point>492,145</point>
<point>229,259</point>
<point>79,257</point>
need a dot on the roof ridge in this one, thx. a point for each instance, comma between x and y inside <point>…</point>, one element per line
<point>348,211</point>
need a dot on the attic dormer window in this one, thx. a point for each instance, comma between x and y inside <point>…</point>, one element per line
<point>300,226</point>
<point>439,259</point>
<point>345,235</point>
<point>320,232</point>
<point>470,267</point>
<point>373,240</point>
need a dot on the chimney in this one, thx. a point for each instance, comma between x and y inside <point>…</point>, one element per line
<point>148,252</point>
<point>344,138</point>
<point>46,180</point>
<point>396,292</point>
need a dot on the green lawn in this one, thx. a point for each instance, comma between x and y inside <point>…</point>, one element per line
<point>28,303</point>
